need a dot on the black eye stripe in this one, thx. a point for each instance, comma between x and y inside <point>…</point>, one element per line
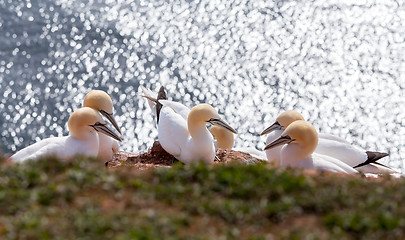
<point>97,124</point>
<point>213,120</point>
<point>104,112</point>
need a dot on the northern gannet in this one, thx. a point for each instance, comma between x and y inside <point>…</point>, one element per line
<point>225,140</point>
<point>299,141</point>
<point>275,130</point>
<point>328,145</point>
<point>83,124</point>
<point>188,139</point>
<point>101,101</point>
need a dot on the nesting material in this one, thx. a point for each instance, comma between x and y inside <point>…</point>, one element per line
<point>158,157</point>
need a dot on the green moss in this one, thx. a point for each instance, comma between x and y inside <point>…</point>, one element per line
<point>81,199</point>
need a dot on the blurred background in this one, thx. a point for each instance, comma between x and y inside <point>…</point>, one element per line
<point>340,63</point>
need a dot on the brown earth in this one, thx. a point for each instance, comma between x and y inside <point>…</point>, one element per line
<point>158,157</point>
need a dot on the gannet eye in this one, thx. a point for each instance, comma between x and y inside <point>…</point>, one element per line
<point>289,138</point>
<point>219,122</point>
<point>211,120</point>
<point>97,124</point>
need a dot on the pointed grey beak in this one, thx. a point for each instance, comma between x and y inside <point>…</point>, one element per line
<point>221,123</point>
<point>100,127</point>
<point>111,118</point>
<point>279,141</point>
<point>273,127</point>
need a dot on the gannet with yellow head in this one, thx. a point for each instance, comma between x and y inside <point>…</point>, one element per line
<point>275,130</point>
<point>101,101</point>
<point>328,145</point>
<point>299,141</point>
<point>83,124</point>
<point>224,138</point>
<point>188,139</point>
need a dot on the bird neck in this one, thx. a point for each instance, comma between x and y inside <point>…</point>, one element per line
<point>84,134</point>
<point>199,132</point>
<point>273,136</point>
<point>225,141</point>
<point>196,127</point>
<point>294,153</point>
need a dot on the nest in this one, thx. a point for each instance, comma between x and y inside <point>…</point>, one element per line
<point>158,157</point>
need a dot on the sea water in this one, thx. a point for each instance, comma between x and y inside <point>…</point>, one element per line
<point>340,63</point>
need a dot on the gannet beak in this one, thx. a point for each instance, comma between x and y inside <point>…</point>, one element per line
<point>100,127</point>
<point>111,118</point>
<point>273,127</point>
<point>221,123</point>
<point>279,141</point>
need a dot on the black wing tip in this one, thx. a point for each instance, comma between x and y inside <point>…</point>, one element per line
<point>161,96</point>
<point>374,156</point>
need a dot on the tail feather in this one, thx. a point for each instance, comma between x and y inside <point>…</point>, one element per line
<point>382,165</point>
<point>372,157</point>
<point>161,96</point>
<point>153,101</point>
<point>148,94</point>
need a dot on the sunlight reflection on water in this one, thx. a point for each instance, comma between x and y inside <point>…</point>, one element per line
<point>341,64</point>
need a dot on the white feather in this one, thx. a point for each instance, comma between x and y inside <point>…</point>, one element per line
<point>175,139</point>
<point>334,147</point>
<point>314,161</point>
<point>61,147</point>
<point>107,147</point>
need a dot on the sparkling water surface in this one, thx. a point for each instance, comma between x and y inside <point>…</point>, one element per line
<point>340,63</point>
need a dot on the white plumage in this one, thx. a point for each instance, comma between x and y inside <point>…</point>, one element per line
<point>62,147</point>
<point>188,139</point>
<point>107,147</point>
<point>299,141</point>
<point>101,101</point>
<point>328,145</point>
<point>273,154</point>
<point>83,124</point>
